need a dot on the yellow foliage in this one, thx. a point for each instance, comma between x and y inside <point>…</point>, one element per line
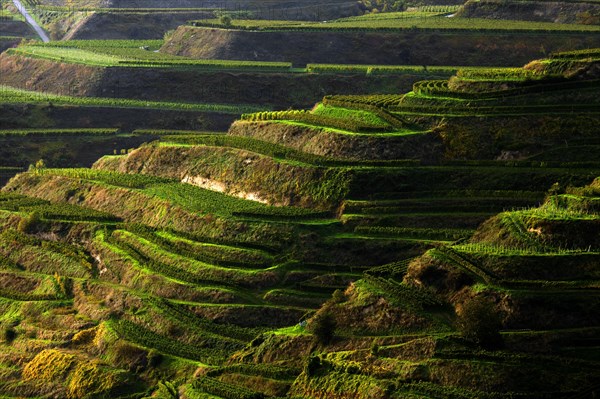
<point>90,378</point>
<point>85,337</point>
<point>49,365</point>
<point>83,378</point>
<point>104,336</point>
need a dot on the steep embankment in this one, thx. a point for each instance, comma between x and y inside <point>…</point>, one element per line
<point>8,42</point>
<point>82,148</point>
<point>236,172</point>
<point>133,206</point>
<point>32,74</point>
<point>414,47</point>
<point>107,25</point>
<point>543,11</point>
<point>16,28</point>
<point>345,145</point>
<point>146,23</point>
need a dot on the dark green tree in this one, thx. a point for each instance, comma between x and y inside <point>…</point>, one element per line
<point>323,327</point>
<point>9,334</point>
<point>225,20</point>
<point>480,322</point>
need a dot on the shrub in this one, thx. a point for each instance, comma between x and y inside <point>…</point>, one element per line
<point>374,349</point>
<point>225,20</point>
<point>312,366</point>
<point>323,327</point>
<point>338,296</point>
<point>130,357</point>
<point>93,380</point>
<point>49,365</point>
<point>480,322</point>
<point>84,337</point>
<point>63,286</point>
<point>154,358</point>
<point>28,223</point>
<point>9,334</point>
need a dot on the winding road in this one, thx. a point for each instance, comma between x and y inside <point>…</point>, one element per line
<point>38,29</point>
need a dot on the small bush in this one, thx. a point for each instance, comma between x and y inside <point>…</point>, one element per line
<point>154,358</point>
<point>130,357</point>
<point>93,380</point>
<point>338,296</point>
<point>374,349</point>
<point>323,327</point>
<point>313,366</point>
<point>166,390</point>
<point>480,322</point>
<point>29,223</point>
<point>85,337</point>
<point>225,20</point>
<point>9,334</point>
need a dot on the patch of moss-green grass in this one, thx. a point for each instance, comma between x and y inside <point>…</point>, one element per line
<point>191,270</point>
<point>393,133</point>
<point>219,253</point>
<point>135,57</point>
<point>345,113</point>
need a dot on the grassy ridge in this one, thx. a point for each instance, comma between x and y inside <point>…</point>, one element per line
<point>403,23</point>
<point>103,44</point>
<point>11,95</point>
<point>136,57</point>
<point>380,69</point>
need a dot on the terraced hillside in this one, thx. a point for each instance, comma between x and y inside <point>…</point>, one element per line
<point>336,252</point>
<point>131,69</point>
<point>425,36</point>
<point>510,312</point>
<point>150,19</point>
<point>479,113</point>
